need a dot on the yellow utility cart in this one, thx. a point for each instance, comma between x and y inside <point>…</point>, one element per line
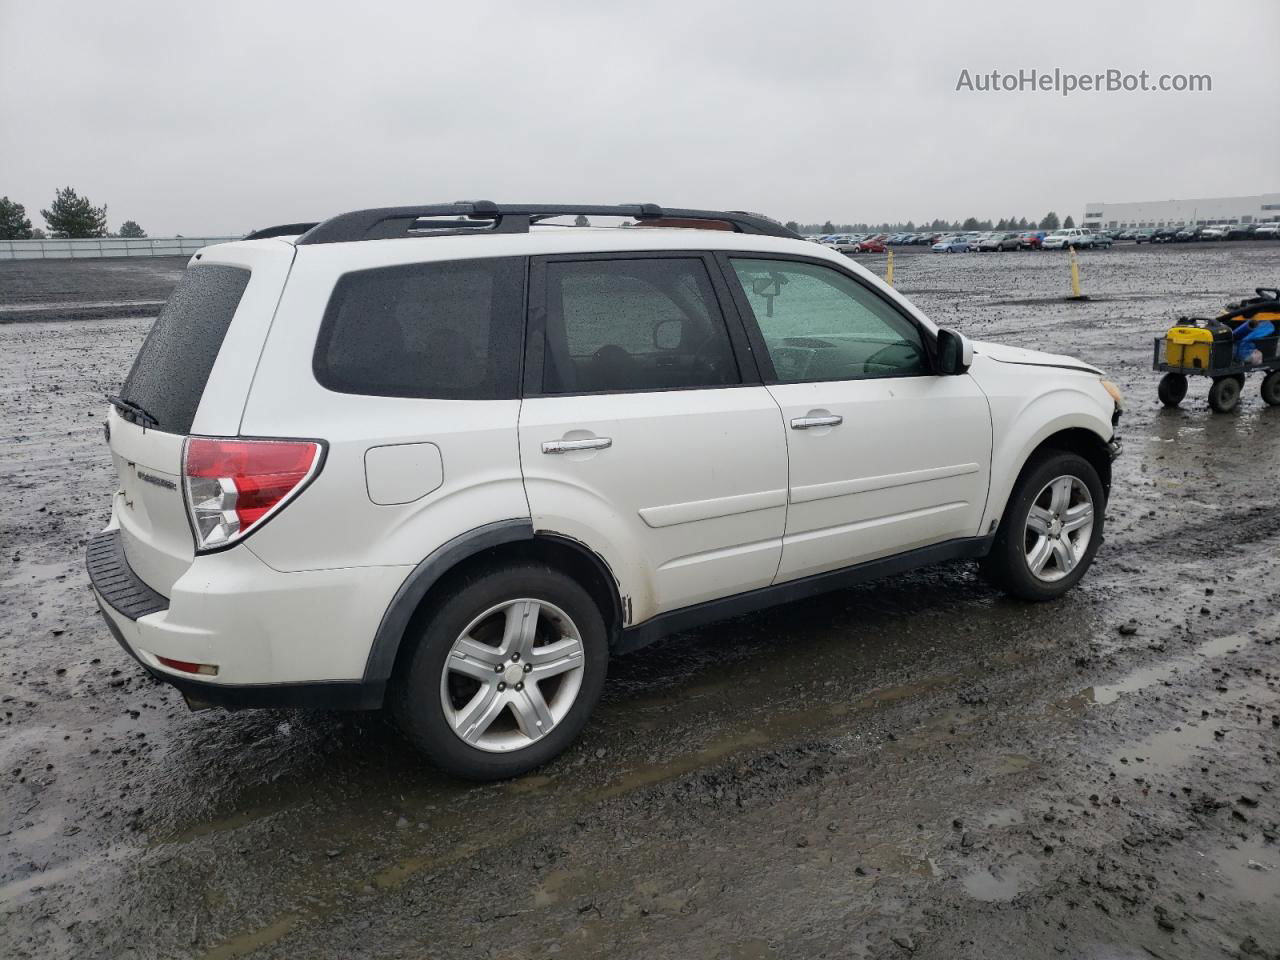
<point>1207,348</point>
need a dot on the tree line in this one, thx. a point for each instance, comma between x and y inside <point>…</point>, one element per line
<point>1048,222</point>
<point>69,217</point>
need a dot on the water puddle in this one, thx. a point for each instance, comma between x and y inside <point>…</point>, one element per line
<point>1147,676</point>
<point>999,883</point>
<point>1252,868</point>
<point>889,858</point>
<point>1002,817</point>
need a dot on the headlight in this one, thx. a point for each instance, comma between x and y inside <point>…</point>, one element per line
<point>1116,395</point>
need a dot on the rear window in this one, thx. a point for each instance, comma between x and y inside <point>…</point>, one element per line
<point>172,368</point>
<point>449,330</point>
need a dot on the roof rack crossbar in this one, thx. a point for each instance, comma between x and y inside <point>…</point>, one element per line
<point>484,216</point>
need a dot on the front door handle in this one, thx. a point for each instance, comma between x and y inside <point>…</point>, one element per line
<point>804,423</point>
<point>568,446</point>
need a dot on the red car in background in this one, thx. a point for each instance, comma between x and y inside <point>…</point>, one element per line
<point>871,245</point>
<point>1030,239</point>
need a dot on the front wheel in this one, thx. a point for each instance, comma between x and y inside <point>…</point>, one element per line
<point>1051,528</point>
<point>504,675</point>
<point>1224,394</point>
<point>1172,389</point>
<point>1271,388</point>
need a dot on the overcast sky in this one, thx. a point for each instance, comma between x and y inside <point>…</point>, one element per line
<point>214,118</point>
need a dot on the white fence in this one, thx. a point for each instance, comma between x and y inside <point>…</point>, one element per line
<point>105,247</point>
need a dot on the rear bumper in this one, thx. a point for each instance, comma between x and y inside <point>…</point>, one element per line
<point>278,640</point>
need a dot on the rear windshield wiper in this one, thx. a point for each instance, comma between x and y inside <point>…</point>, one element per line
<point>134,411</point>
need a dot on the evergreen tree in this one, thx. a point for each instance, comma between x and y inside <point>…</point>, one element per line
<point>828,227</point>
<point>130,230</point>
<point>1068,223</point>
<point>793,226</point>
<point>1050,221</point>
<point>14,224</point>
<point>579,221</point>
<point>72,216</point>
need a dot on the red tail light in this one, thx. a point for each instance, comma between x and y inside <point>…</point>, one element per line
<point>233,485</point>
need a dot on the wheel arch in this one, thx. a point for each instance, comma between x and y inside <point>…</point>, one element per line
<point>1077,434</point>
<point>505,541</point>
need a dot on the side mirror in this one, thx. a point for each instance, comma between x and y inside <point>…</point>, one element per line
<point>955,352</point>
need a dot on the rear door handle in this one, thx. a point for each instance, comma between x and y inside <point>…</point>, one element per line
<point>804,423</point>
<point>568,446</point>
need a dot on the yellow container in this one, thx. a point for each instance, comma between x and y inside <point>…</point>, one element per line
<point>1187,347</point>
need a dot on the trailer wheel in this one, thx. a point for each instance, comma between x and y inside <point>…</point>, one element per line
<point>1224,394</point>
<point>1172,389</point>
<point>1271,388</point>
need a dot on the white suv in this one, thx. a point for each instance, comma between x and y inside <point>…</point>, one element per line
<point>450,459</point>
<point>1068,237</point>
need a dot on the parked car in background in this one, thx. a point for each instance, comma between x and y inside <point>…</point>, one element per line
<point>1031,239</point>
<point>1213,233</point>
<point>1267,231</point>
<point>1241,231</point>
<point>1067,237</point>
<point>998,241</point>
<point>1186,235</point>
<point>349,474</point>
<point>1143,235</point>
<point>1165,234</point>
<point>952,245</point>
<point>1100,239</point>
<point>870,245</point>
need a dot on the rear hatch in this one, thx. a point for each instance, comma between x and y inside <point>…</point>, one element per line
<point>191,376</point>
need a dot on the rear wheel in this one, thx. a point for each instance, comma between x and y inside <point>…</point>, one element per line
<point>1172,389</point>
<point>1051,528</point>
<point>505,674</point>
<point>1271,388</point>
<point>1224,394</point>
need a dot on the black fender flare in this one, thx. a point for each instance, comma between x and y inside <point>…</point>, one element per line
<point>386,641</point>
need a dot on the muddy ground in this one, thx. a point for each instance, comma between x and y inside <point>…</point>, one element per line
<point>919,768</point>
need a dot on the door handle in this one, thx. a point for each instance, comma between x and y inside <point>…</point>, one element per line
<point>568,446</point>
<point>804,423</point>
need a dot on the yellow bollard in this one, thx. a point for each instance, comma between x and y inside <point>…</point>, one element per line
<point>888,275</point>
<point>1075,275</point>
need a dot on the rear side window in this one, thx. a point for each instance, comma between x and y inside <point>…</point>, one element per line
<point>634,324</point>
<point>449,330</point>
<point>172,368</point>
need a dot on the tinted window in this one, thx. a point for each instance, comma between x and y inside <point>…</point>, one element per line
<point>634,325</point>
<point>821,324</point>
<point>172,368</point>
<point>447,330</point>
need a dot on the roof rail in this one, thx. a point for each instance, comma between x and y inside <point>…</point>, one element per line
<point>281,230</point>
<point>483,216</point>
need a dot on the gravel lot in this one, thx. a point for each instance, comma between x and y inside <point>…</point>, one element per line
<point>919,768</point>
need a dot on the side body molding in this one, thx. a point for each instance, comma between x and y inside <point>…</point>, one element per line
<point>386,642</point>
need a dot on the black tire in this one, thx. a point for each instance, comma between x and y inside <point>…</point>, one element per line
<point>1271,388</point>
<point>416,700</point>
<point>1224,395</point>
<point>1172,389</point>
<point>1005,567</point>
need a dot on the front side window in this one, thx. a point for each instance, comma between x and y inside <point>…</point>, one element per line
<point>820,324</point>
<point>449,330</point>
<point>634,324</point>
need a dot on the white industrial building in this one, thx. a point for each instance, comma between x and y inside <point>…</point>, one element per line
<point>1169,213</point>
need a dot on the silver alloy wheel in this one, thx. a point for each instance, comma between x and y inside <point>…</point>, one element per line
<point>512,675</point>
<point>1059,528</point>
